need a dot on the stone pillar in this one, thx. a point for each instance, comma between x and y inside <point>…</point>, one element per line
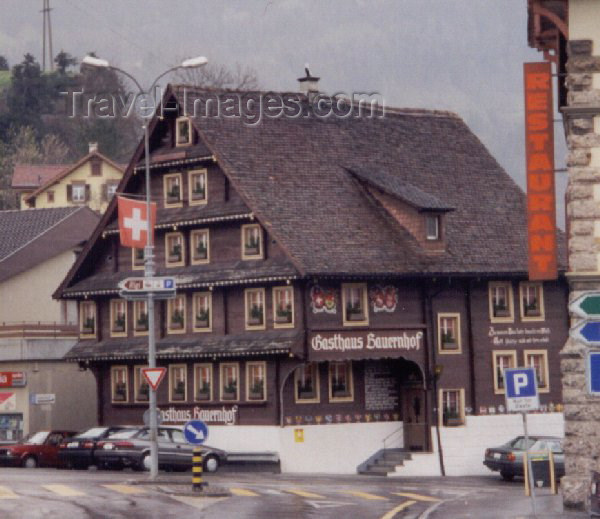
<point>582,119</point>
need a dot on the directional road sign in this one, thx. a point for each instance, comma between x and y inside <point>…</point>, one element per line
<point>586,305</point>
<point>521,389</point>
<point>153,284</point>
<point>196,432</point>
<point>593,372</point>
<point>154,376</point>
<point>587,331</point>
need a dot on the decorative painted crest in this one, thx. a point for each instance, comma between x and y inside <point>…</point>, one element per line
<point>323,300</point>
<point>384,299</point>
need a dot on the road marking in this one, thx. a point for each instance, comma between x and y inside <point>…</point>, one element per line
<point>304,493</point>
<point>197,502</point>
<point>328,504</point>
<point>399,508</point>
<point>417,497</point>
<point>364,495</point>
<point>243,492</point>
<point>63,490</point>
<point>126,489</point>
<point>7,493</point>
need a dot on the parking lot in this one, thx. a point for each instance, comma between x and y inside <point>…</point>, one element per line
<point>52,493</point>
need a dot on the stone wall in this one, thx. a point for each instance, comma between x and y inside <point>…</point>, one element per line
<point>582,119</point>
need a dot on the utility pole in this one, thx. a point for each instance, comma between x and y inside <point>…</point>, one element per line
<point>47,23</point>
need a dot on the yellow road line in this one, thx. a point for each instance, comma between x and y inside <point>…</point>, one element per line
<point>7,493</point>
<point>303,493</point>
<point>417,497</point>
<point>126,489</point>
<point>63,490</point>
<point>399,508</point>
<point>364,495</point>
<point>243,492</point>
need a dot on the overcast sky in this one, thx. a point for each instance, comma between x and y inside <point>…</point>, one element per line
<point>459,55</point>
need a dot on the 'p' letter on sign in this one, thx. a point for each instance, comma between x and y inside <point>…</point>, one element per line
<point>539,147</point>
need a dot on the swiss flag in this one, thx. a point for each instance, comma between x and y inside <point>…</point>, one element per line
<point>133,222</point>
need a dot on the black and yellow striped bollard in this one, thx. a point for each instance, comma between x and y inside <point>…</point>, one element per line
<point>197,482</point>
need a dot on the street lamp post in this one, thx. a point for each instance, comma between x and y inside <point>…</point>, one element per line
<point>149,249</point>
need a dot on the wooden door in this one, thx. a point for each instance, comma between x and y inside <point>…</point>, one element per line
<point>414,414</point>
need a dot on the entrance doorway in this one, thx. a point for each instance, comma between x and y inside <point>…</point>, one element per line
<point>415,412</point>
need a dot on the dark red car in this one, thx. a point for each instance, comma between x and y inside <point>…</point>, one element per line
<point>38,449</point>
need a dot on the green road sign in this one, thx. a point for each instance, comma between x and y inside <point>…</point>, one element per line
<point>586,305</point>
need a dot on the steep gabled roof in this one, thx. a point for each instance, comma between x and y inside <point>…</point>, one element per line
<point>34,175</point>
<point>30,237</point>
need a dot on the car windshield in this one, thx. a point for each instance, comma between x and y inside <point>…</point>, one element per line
<point>520,444</point>
<point>37,438</point>
<point>123,435</point>
<point>92,433</point>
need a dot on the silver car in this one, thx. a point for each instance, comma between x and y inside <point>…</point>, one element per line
<point>131,448</point>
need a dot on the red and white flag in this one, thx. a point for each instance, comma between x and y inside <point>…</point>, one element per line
<point>133,222</point>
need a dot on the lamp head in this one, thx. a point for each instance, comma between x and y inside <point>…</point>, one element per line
<point>198,61</point>
<point>95,62</point>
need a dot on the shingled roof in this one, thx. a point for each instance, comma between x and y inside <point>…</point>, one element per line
<point>33,176</point>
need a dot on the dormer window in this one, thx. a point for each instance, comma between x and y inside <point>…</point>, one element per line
<point>252,242</point>
<point>183,131</point>
<point>175,249</point>
<point>173,195</point>
<point>197,187</point>
<point>200,246</point>
<point>432,227</point>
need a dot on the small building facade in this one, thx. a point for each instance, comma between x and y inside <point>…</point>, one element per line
<point>342,288</point>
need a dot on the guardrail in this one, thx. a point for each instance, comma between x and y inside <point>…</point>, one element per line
<point>391,438</point>
<point>38,330</point>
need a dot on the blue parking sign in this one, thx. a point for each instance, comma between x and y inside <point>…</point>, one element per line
<point>594,372</point>
<point>521,389</point>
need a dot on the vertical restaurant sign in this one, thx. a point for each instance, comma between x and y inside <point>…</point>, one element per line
<point>539,150</point>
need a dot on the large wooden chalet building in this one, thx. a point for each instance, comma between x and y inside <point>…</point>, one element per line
<point>345,284</point>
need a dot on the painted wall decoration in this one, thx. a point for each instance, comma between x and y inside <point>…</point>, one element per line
<point>323,300</point>
<point>341,418</point>
<point>384,299</point>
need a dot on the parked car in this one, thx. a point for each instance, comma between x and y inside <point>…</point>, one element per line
<point>38,449</point>
<point>508,458</point>
<point>80,450</point>
<point>131,448</point>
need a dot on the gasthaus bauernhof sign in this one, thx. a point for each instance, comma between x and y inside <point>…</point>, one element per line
<point>328,345</point>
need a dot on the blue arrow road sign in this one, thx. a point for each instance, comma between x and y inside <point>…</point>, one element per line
<point>521,389</point>
<point>196,432</point>
<point>587,332</point>
<point>593,372</point>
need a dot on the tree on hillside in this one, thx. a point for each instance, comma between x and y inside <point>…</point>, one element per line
<point>63,61</point>
<point>219,76</point>
<point>3,63</point>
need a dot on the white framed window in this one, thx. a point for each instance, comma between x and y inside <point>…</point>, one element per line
<point>355,304</point>
<point>306,384</point>
<point>449,338</point>
<point>256,381</point>
<point>87,319</point>
<point>501,302</point>
<point>140,317</point>
<point>203,382</point>
<point>141,387</point>
<point>501,360</point>
<point>283,307</point>
<point>255,308</point>
<point>200,246</point>
<point>177,383</point>
<point>198,187</point>
<point>118,318</point>
<point>432,227</point>
<point>174,249</point>
<point>230,381</point>
<point>538,360</point>
<point>183,131</point>
<point>452,407</point>
<point>341,387</point>
<point>119,384</point>
<point>531,297</point>
<point>176,315</point>
<point>137,258</point>
<point>202,307</point>
<point>252,242</point>
<point>78,192</point>
<point>172,190</point>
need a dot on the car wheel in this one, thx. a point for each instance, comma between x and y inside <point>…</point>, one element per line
<point>211,463</point>
<point>507,476</point>
<point>30,462</point>
<point>146,462</point>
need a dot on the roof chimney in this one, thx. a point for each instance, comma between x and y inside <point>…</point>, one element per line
<point>309,85</point>
<point>93,147</point>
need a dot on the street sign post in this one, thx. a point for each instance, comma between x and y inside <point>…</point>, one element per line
<point>195,432</point>
<point>587,331</point>
<point>154,376</point>
<point>586,305</point>
<point>520,388</point>
<point>140,288</point>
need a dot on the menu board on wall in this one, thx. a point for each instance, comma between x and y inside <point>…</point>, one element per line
<point>381,387</point>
